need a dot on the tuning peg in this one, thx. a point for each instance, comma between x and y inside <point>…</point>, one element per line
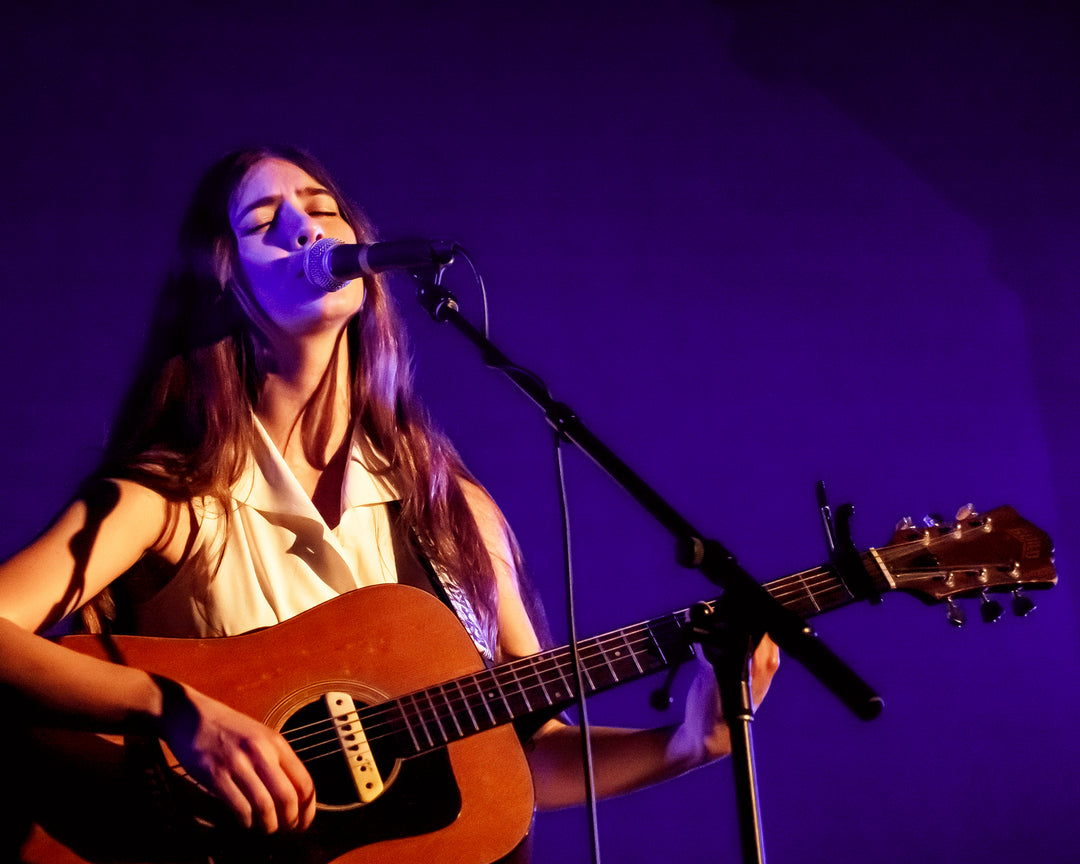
<point>906,524</point>
<point>966,512</point>
<point>932,520</point>
<point>1021,603</point>
<point>957,616</point>
<point>990,609</point>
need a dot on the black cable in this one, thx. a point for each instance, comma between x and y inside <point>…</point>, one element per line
<point>579,682</point>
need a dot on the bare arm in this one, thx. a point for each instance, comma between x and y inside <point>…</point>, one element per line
<point>623,759</point>
<point>89,546</point>
<point>629,759</point>
<point>76,557</point>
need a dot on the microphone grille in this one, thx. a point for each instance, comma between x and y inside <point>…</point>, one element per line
<point>317,265</point>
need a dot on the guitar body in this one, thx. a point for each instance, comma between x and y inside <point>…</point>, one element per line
<point>470,801</point>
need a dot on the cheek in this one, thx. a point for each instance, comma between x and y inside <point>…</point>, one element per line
<point>272,277</point>
<point>269,284</point>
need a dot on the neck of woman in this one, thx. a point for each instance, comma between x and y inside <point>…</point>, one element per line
<point>308,394</point>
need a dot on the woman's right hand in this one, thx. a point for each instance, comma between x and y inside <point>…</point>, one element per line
<point>245,763</point>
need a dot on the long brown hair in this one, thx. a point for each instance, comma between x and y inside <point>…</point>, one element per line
<point>185,428</point>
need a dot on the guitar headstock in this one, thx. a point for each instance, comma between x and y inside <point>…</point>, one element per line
<point>978,553</point>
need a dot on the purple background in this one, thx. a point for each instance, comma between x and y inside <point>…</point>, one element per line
<point>754,246</point>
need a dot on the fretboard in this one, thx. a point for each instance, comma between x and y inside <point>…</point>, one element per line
<point>545,682</point>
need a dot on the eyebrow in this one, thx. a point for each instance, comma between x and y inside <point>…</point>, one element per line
<point>266,201</point>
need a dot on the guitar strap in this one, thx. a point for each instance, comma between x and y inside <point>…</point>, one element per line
<point>414,569</point>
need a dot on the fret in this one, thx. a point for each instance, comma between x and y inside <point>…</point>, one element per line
<point>590,685</point>
<point>500,694</point>
<point>656,643</point>
<point>563,662</point>
<point>567,685</point>
<point>833,596</point>
<point>481,698</point>
<point>603,676</point>
<point>797,592</point>
<point>468,707</point>
<point>667,631</point>
<point>607,662</point>
<point>809,592</point>
<point>424,724</point>
<point>640,657</point>
<point>548,667</point>
<point>621,659</point>
<point>409,725</point>
<point>523,687</point>
<point>393,719</point>
<point>822,589</point>
<point>518,694</point>
<point>484,699</point>
<point>452,711</point>
<point>534,662</point>
<point>632,652</point>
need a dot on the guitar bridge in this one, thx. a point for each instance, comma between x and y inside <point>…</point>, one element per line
<point>354,746</point>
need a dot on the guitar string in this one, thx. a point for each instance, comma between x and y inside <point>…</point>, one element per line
<point>811,582</point>
<point>518,680</point>
<point>386,716</point>
<point>806,583</point>
<point>527,676</point>
<point>628,638</point>
<point>384,721</point>
<point>438,698</point>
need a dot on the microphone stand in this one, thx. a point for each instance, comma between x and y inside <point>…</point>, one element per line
<point>747,610</point>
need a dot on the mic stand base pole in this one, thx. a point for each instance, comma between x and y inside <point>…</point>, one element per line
<point>742,763</point>
<point>729,649</point>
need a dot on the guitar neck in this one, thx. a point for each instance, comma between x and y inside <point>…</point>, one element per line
<point>821,590</point>
<point>546,682</point>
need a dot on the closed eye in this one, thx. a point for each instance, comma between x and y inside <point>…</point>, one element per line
<point>255,229</point>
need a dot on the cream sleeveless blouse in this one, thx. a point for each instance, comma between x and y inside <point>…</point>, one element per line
<point>275,556</point>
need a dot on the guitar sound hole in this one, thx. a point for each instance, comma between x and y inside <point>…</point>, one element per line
<point>420,793</point>
<point>312,733</point>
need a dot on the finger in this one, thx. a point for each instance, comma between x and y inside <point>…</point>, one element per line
<point>234,798</point>
<point>288,782</point>
<point>301,780</point>
<point>767,656</point>
<point>254,788</point>
<point>765,662</point>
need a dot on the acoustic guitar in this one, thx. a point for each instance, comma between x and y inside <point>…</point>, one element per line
<point>410,739</point>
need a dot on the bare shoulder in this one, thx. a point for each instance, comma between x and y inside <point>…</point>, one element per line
<point>483,506</point>
<point>517,635</point>
<point>494,530</point>
<point>99,536</point>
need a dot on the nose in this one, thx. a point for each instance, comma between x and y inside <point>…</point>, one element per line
<point>307,232</point>
<point>302,228</point>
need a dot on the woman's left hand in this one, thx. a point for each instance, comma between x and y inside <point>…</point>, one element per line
<point>703,735</point>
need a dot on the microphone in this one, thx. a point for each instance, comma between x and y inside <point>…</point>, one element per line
<point>330,264</point>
